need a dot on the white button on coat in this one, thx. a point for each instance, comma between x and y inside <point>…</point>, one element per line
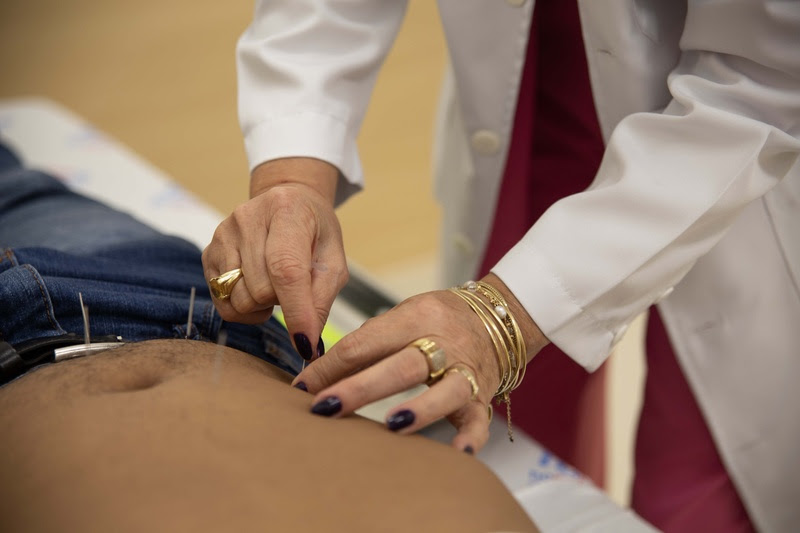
<point>485,142</point>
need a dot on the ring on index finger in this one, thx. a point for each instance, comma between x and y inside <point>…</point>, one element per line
<point>221,286</point>
<point>434,356</point>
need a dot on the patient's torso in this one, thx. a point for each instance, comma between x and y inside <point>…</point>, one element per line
<point>182,435</point>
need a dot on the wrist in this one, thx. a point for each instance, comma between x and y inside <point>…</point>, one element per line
<point>315,174</point>
<point>531,334</point>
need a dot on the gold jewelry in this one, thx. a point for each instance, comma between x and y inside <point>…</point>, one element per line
<point>222,285</point>
<point>434,356</point>
<point>494,333</point>
<point>505,334</point>
<point>496,298</point>
<point>465,371</point>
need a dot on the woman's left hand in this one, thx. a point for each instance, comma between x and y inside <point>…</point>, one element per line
<point>377,361</point>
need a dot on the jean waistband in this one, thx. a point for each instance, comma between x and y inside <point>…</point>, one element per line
<point>39,298</point>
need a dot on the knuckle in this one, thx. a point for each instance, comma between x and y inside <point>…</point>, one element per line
<point>322,313</point>
<point>327,372</point>
<point>286,269</point>
<point>262,293</point>
<point>412,369</point>
<point>343,276</point>
<point>319,376</point>
<point>281,198</point>
<point>241,306</point>
<point>357,391</point>
<point>349,351</point>
<point>287,202</point>
<point>240,216</point>
<point>429,310</point>
<point>219,233</point>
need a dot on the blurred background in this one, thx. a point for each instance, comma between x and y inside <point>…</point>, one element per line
<point>159,76</point>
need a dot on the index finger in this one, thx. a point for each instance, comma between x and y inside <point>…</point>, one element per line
<point>288,256</point>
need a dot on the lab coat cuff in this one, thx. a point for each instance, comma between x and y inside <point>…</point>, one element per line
<point>560,317</point>
<point>308,134</point>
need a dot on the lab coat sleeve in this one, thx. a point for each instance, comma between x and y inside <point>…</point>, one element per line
<point>670,184</point>
<point>306,69</point>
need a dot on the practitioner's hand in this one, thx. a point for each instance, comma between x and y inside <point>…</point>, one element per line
<point>288,243</point>
<point>375,362</point>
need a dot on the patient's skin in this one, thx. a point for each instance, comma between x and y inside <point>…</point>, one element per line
<point>159,436</point>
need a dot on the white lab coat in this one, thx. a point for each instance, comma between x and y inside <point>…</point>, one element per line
<point>700,108</point>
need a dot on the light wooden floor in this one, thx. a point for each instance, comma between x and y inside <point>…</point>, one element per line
<point>160,77</point>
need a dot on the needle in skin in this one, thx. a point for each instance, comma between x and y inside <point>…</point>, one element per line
<point>191,312</point>
<point>221,339</point>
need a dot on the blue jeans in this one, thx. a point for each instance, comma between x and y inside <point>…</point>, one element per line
<point>136,282</point>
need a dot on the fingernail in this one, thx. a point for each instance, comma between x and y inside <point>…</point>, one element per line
<point>327,406</point>
<point>320,348</point>
<point>469,449</point>
<point>301,385</point>
<point>400,420</point>
<point>303,345</point>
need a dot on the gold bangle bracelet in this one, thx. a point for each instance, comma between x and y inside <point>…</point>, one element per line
<point>493,333</point>
<point>498,338</point>
<point>499,302</point>
<point>492,308</point>
<point>487,313</point>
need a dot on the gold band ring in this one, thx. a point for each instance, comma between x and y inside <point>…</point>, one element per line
<point>465,371</point>
<point>222,285</point>
<point>434,356</point>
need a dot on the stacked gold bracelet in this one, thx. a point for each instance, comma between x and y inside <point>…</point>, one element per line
<point>490,306</point>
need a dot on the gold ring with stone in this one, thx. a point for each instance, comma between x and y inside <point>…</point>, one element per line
<point>434,356</point>
<point>222,285</point>
<point>465,371</point>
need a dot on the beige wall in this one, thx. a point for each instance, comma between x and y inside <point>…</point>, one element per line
<point>160,76</point>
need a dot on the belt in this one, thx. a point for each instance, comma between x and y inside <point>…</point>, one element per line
<point>17,360</point>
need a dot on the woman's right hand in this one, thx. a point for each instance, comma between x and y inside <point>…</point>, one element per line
<point>288,242</point>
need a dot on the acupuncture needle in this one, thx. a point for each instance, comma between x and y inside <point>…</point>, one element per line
<point>68,352</point>
<point>211,398</point>
<point>222,337</point>
<point>191,312</point>
<point>85,313</point>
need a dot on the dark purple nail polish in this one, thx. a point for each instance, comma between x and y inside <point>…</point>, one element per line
<point>400,420</point>
<point>469,449</point>
<point>303,346</point>
<point>327,406</point>
<point>302,386</point>
<point>320,348</point>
